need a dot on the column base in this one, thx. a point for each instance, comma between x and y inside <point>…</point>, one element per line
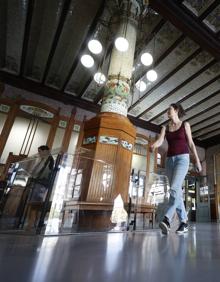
<point>113,137</point>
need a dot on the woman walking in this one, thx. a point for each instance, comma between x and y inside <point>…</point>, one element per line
<point>179,138</point>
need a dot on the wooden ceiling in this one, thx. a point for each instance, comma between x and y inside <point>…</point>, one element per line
<point>42,42</point>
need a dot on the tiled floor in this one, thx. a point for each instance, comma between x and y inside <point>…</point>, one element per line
<point>138,257</point>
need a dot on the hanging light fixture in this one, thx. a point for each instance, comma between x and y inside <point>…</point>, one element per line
<point>99,78</point>
<point>146,59</point>
<point>151,75</point>
<point>141,85</point>
<point>95,46</point>
<point>87,61</point>
<point>121,44</point>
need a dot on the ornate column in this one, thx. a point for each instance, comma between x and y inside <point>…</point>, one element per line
<point>112,133</point>
<point>117,88</point>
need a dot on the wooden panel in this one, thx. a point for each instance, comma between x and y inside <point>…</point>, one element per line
<point>52,132</point>
<point>68,132</point>
<point>217,175</point>
<point>7,126</point>
<point>13,201</point>
<point>111,125</point>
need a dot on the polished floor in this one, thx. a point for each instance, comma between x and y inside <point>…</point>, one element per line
<point>141,256</point>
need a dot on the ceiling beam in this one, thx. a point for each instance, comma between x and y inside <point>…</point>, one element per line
<point>106,58</point>
<point>169,75</point>
<point>150,36</point>
<point>154,31</point>
<point>203,112</point>
<point>179,87</point>
<point>209,10</point>
<point>46,91</point>
<point>212,131</point>
<point>163,56</point>
<point>99,94</point>
<point>27,30</point>
<point>86,86</point>
<point>205,127</point>
<point>200,143</point>
<point>84,43</point>
<point>3,33</point>
<point>188,96</point>
<point>188,24</point>
<point>200,102</point>
<point>196,115</point>
<point>206,119</point>
<point>63,15</point>
<point>212,141</point>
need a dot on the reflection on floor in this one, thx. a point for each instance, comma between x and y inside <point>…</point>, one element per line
<point>141,256</point>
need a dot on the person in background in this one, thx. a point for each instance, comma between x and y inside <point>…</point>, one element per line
<point>179,138</point>
<point>40,177</point>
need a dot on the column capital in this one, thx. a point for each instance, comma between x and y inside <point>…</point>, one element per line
<point>128,10</point>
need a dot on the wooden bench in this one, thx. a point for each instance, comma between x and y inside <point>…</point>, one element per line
<point>75,206</point>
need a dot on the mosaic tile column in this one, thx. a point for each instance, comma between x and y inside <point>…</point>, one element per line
<point>117,88</point>
<point>110,137</point>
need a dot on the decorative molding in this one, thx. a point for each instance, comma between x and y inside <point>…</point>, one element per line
<point>188,24</point>
<point>108,140</point>
<point>4,108</point>
<point>63,123</point>
<point>89,140</point>
<point>125,144</point>
<point>35,111</point>
<point>76,127</point>
<point>116,97</point>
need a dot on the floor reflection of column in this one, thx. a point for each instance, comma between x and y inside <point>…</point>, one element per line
<point>114,248</point>
<point>44,260</point>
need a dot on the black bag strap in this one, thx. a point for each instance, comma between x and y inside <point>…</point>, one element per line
<point>43,168</point>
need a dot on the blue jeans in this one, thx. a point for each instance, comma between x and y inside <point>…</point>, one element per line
<point>176,170</point>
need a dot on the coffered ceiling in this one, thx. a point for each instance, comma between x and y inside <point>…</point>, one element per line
<point>42,42</point>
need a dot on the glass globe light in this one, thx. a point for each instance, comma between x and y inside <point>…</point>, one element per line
<point>99,78</point>
<point>95,46</point>
<point>87,61</point>
<point>146,59</point>
<point>121,44</point>
<point>141,85</point>
<point>151,75</point>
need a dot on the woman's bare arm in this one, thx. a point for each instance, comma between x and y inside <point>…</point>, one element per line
<point>159,140</point>
<point>192,145</point>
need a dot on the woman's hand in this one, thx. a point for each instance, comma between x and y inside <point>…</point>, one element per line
<point>159,141</point>
<point>198,166</point>
<point>153,147</point>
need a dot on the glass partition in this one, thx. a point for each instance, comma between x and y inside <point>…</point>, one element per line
<point>203,199</point>
<point>148,196</point>
<point>75,193</point>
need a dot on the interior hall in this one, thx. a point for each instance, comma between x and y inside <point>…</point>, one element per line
<point>109,140</point>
